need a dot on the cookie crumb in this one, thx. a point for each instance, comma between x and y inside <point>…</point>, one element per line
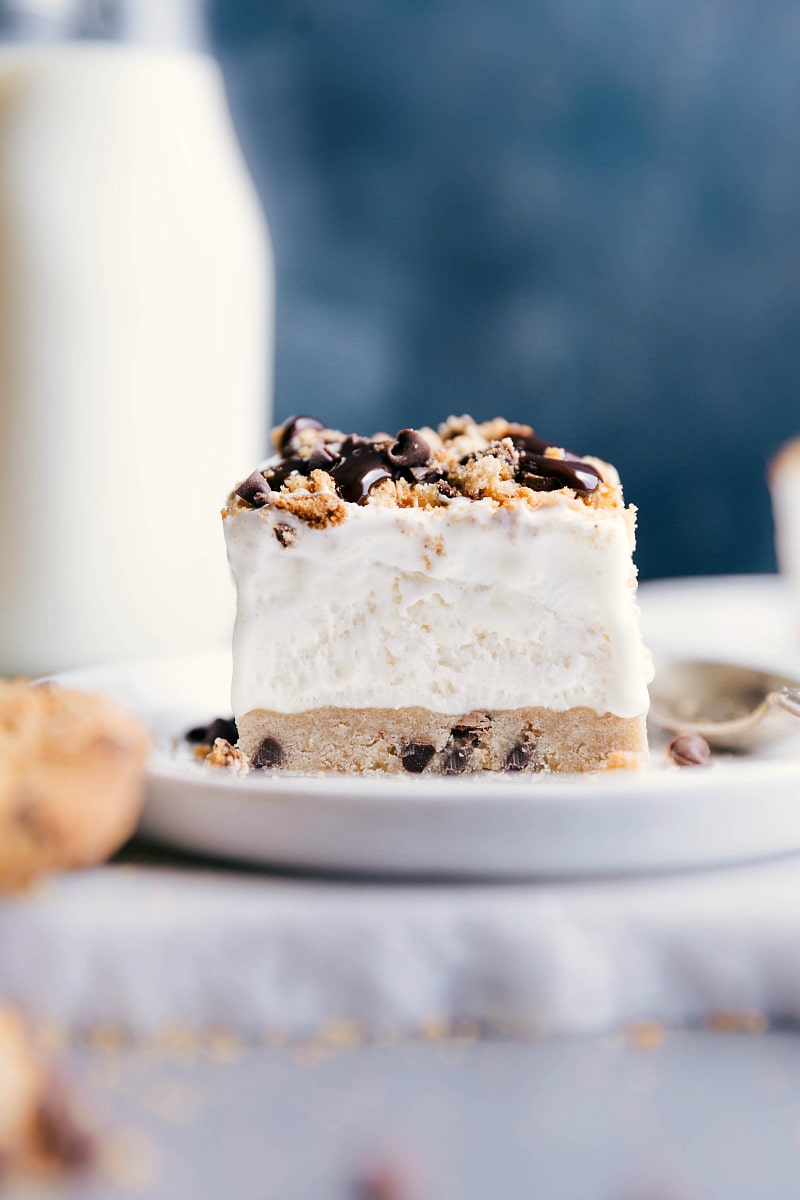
<point>223,754</point>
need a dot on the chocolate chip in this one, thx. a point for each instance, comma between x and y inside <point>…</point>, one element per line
<point>416,756</point>
<point>285,534</point>
<point>254,490</point>
<point>382,1180</point>
<point>519,757</point>
<point>455,760</point>
<point>690,750</point>
<point>224,727</point>
<point>294,426</point>
<point>269,754</point>
<point>476,721</point>
<point>409,449</point>
<point>446,489</point>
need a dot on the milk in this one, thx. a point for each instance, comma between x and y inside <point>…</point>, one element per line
<point>136,310</point>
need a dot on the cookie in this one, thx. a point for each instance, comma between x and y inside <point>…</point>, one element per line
<point>71,779</point>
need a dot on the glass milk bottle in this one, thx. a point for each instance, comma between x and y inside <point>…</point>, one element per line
<point>136,316</point>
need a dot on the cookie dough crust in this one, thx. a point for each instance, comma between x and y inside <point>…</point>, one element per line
<point>415,740</point>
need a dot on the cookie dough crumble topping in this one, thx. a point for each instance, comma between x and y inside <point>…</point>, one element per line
<point>317,472</point>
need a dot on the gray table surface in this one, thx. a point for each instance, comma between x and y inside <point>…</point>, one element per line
<point>699,1116</point>
<point>643,1114</point>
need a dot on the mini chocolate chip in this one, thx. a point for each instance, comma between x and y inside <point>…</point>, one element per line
<point>519,757</point>
<point>690,750</point>
<point>64,1138</point>
<point>474,722</point>
<point>294,426</point>
<point>446,489</point>
<point>254,490</point>
<point>269,754</point>
<point>409,449</point>
<point>416,756</point>
<point>455,760</point>
<point>285,534</point>
<point>224,727</point>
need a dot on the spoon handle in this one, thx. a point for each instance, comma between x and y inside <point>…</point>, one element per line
<point>789,699</point>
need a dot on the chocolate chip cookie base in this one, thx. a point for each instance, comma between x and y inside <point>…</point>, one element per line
<point>414,740</point>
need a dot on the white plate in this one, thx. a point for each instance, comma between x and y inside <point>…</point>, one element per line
<point>491,827</point>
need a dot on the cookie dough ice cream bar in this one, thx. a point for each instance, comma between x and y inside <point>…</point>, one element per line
<point>784,485</point>
<point>440,601</point>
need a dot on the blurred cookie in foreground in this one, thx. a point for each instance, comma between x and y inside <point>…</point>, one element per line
<point>71,779</point>
<point>784,486</point>
<point>41,1126</point>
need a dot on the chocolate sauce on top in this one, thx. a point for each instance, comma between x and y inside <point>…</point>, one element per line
<point>357,464</point>
<point>358,473</point>
<point>567,472</point>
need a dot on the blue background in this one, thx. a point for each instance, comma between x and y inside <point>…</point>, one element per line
<point>583,215</point>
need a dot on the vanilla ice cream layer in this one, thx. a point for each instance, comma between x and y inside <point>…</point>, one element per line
<point>450,609</point>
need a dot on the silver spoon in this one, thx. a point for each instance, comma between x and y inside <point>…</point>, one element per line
<point>725,704</point>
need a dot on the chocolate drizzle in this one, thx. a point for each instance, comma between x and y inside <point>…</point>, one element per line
<point>530,443</point>
<point>543,473</point>
<point>356,475</point>
<point>358,464</point>
<point>280,472</point>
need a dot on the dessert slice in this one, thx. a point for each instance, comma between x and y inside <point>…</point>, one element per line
<point>450,601</point>
<point>784,486</point>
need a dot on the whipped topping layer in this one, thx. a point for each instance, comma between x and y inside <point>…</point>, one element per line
<point>474,604</point>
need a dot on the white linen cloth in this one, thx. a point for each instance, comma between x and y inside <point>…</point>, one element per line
<point>145,949</point>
